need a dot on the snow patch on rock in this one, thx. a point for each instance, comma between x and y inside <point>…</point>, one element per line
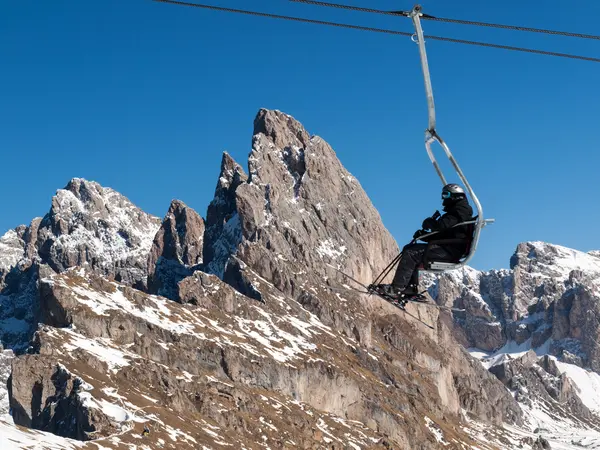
<point>12,249</point>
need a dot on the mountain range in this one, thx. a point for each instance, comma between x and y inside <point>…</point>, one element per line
<point>124,330</point>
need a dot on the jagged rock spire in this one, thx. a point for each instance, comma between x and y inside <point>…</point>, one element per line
<point>176,249</point>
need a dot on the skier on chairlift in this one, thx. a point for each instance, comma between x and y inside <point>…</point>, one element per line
<point>456,210</point>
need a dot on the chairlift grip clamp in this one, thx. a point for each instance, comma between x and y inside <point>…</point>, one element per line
<point>416,11</point>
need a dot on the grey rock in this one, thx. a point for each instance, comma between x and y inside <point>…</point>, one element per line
<point>541,335</point>
<point>176,250</point>
<point>541,443</point>
<point>261,311</point>
<point>19,306</point>
<point>12,250</point>
<point>45,396</point>
<point>223,232</point>
<point>90,224</point>
<point>6,357</point>
<point>548,297</point>
<point>87,225</point>
<point>298,209</point>
<point>205,290</point>
<point>538,379</point>
<point>225,347</point>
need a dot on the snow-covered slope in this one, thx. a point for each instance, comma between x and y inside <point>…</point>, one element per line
<point>13,437</point>
<point>547,302</point>
<point>553,261</point>
<point>594,253</point>
<point>265,374</point>
<point>12,249</point>
<point>549,420</point>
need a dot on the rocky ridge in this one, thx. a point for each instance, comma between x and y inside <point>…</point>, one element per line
<point>546,301</point>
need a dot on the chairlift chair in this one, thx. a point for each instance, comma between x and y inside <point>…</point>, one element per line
<point>478,222</point>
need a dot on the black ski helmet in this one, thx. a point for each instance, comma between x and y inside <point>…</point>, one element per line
<point>452,191</point>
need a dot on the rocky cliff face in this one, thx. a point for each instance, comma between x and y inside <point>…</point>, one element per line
<point>12,250</point>
<point>89,224</point>
<point>546,304</point>
<point>539,381</point>
<point>242,335</point>
<point>546,301</point>
<point>223,232</point>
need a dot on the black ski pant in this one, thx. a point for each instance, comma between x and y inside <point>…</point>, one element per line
<point>407,272</point>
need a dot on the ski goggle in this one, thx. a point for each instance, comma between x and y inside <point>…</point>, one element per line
<point>446,194</point>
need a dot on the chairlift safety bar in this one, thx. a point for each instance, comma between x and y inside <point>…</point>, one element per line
<point>468,222</point>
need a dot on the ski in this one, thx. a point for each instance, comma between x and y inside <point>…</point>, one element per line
<point>391,301</point>
<point>419,298</point>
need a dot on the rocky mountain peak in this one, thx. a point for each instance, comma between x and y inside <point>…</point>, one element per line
<point>281,129</point>
<point>231,175</point>
<point>92,224</point>
<point>12,249</point>
<point>87,224</point>
<point>298,210</point>
<point>551,260</point>
<point>181,233</point>
<point>544,302</point>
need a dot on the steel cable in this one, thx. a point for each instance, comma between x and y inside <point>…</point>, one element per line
<point>378,30</point>
<point>443,19</point>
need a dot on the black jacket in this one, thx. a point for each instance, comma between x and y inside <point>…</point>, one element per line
<point>455,212</point>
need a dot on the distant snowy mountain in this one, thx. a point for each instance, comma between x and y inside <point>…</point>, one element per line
<point>235,332</point>
<point>87,225</point>
<point>547,301</point>
<point>542,311</point>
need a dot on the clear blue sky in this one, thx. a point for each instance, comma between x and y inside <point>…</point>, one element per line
<point>144,97</point>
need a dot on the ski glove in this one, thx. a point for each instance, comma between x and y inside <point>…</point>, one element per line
<point>419,233</point>
<point>429,223</point>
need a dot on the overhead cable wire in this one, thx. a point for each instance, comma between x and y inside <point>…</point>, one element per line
<point>353,8</point>
<point>443,19</point>
<point>517,49</point>
<point>378,30</point>
<point>277,16</point>
<point>514,27</point>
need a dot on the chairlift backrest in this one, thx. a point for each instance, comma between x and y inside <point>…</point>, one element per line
<point>470,230</point>
<point>472,227</point>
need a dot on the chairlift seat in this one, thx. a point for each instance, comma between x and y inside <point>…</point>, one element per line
<point>443,264</point>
